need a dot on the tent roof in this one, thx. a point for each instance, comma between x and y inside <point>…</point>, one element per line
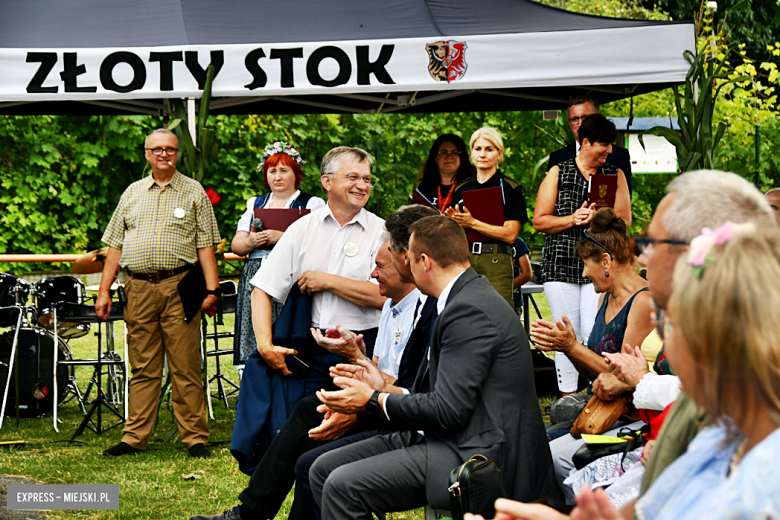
<point>75,57</point>
<point>147,23</point>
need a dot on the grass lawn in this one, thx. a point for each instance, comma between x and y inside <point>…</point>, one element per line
<point>151,485</point>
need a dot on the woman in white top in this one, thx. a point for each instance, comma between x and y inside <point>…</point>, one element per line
<point>282,174</point>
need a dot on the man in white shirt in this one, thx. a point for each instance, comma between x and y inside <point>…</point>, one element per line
<point>330,253</point>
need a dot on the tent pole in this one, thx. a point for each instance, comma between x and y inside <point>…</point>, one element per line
<point>191,119</point>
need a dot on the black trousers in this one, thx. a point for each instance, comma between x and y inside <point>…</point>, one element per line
<point>275,475</point>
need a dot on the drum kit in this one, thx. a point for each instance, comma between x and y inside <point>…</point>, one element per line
<point>38,377</point>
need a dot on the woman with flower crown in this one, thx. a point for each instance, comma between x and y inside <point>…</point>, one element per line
<point>282,175</point>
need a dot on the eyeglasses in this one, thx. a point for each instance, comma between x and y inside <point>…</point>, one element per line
<point>354,179</point>
<point>643,244</point>
<point>589,237</point>
<point>577,119</point>
<point>445,153</point>
<point>159,151</point>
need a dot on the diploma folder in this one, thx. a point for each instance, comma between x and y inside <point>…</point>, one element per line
<point>486,205</point>
<point>422,200</point>
<point>279,219</point>
<point>192,291</point>
<point>602,188</point>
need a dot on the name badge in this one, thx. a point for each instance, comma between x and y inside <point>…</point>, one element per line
<point>178,213</point>
<point>351,249</point>
<point>398,333</point>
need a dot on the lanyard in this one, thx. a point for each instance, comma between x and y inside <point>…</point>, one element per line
<point>443,203</point>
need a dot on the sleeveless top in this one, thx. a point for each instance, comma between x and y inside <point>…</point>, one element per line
<point>608,337</point>
<point>560,264</point>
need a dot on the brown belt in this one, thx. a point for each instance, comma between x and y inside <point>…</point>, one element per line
<point>158,276</point>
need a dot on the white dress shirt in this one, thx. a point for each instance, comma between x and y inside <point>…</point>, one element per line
<point>440,304</point>
<point>395,327</point>
<point>317,242</point>
<point>656,391</point>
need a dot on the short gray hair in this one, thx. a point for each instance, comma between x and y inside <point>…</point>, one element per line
<point>332,158</point>
<point>159,131</point>
<point>710,198</point>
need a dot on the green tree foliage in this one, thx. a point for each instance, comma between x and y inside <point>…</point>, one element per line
<point>755,23</point>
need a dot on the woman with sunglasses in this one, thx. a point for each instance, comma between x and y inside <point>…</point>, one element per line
<point>446,166</point>
<point>562,213</point>
<point>624,316</point>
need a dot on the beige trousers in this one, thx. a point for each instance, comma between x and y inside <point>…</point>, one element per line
<point>155,323</point>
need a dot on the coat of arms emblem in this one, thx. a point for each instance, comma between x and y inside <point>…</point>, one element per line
<point>447,60</point>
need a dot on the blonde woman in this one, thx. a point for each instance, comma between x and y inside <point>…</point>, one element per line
<point>722,338</point>
<point>491,257</point>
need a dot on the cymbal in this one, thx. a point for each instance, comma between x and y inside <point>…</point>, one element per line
<point>90,263</point>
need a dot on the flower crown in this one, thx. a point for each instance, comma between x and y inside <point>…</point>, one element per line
<point>701,251</point>
<point>279,147</point>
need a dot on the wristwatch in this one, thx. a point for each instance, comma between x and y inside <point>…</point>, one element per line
<point>372,406</point>
<point>216,292</point>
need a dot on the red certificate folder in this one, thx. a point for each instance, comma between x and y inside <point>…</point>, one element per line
<point>486,205</point>
<point>601,190</point>
<point>279,219</point>
<point>419,198</point>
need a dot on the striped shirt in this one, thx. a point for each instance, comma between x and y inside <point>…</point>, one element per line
<point>162,228</point>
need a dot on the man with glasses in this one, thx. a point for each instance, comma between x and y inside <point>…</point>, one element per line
<point>330,253</point>
<point>695,200</point>
<point>163,225</point>
<point>579,108</point>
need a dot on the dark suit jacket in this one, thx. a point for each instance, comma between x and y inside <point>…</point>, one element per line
<point>476,396</point>
<point>619,157</point>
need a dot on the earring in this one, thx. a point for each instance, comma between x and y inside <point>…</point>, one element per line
<point>606,273</point>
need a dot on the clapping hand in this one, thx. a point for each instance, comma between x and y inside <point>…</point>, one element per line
<point>512,510</point>
<point>607,387</point>
<point>341,341</point>
<point>559,336</point>
<point>630,366</point>
<point>584,214</point>
<point>352,397</point>
<point>464,218</point>
<point>334,425</point>
<point>364,372</point>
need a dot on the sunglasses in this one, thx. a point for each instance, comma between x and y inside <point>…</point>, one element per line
<point>589,237</point>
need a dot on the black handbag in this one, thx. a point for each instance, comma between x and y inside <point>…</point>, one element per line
<point>474,488</point>
<point>587,453</point>
<point>568,408</point>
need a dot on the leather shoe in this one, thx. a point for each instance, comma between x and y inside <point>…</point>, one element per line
<point>199,451</point>
<point>121,449</point>
<point>230,514</point>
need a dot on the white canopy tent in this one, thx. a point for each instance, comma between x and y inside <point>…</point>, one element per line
<point>304,56</point>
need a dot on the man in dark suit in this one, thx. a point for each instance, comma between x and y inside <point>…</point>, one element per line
<point>474,395</point>
<point>579,108</point>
